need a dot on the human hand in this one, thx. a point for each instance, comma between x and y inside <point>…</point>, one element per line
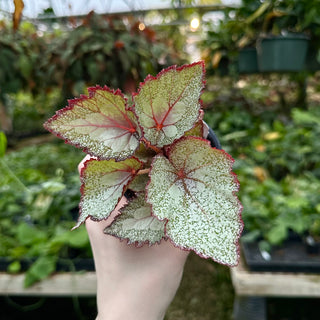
<point>133,283</point>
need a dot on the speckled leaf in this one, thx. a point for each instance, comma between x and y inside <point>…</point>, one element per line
<point>103,184</point>
<point>194,189</point>
<point>168,105</point>
<point>100,124</point>
<point>196,131</point>
<point>144,154</point>
<point>136,224</point>
<point>139,182</point>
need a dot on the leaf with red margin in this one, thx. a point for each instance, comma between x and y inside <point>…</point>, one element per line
<point>136,224</point>
<point>196,131</point>
<point>168,105</point>
<point>100,124</point>
<point>103,184</point>
<point>194,189</point>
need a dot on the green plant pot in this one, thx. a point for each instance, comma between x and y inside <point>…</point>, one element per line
<point>248,61</point>
<point>282,53</point>
<point>312,63</point>
<point>226,67</point>
<point>222,69</point>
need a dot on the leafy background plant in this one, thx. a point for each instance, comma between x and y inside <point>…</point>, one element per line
<point>276,152</point>
<point>38,195</point>
<point>96,50</point>
<point>242,27</point>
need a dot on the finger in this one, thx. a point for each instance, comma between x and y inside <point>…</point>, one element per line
<point>101,225</point>
<point>81,164</point>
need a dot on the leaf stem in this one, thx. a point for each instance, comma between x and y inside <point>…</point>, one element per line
<point>149,145</point>
<point>143,171</point>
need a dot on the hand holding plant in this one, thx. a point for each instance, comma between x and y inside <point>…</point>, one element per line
<point>184,190</point>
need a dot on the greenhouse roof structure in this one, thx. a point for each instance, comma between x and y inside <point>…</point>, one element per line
<point>62,8</point>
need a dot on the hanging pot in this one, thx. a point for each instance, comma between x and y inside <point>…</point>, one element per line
<point>247,61</point>
<point>285,53</point>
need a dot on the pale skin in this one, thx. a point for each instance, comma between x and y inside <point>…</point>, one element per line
<point>133,283</point>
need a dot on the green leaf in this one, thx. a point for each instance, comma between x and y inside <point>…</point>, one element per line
<point>144,154</point>
<point>263,7</point>
<point>3,144</point>
<point>304,117</point>
<point>78,238</point>
<point>27,235</point>
<point>40,270</point>
<point>194,190</point>
<point>136,224</point>
<point>103,184</point>
<point>277,234</point>
<point>196,130</point>
<point>14,267</point>
<point>100,124</point>
<point>52,187</point>
<point>139,183</point>
<point>25,66</point>
<point>168,105</point>
<point>251,236</point>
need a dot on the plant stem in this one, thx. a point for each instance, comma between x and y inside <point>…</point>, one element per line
<point>13,175</point>
<point>149,145</point>
<point>144,171</point>
<point>156,149</point>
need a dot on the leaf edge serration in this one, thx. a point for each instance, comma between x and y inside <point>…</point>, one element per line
<point>71,104</point>
<point>234,193</point>
<point>82,192</point>
<point>157,77</point>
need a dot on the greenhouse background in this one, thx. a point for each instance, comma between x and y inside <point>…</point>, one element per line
<point>262,99</point>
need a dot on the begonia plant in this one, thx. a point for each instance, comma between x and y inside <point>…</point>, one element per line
<point>181,188</point>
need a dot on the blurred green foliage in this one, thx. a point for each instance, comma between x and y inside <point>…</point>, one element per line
<point>39,197</point>
<point>95,50</point>
<point>277,162</point>
<point>243,26</point>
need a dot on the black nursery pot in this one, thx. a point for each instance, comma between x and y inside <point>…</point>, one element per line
<point>282,53</point>
<point>294,255</point>
<point>312,63</point>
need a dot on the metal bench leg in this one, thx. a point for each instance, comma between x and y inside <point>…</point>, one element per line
<point>250,308</point>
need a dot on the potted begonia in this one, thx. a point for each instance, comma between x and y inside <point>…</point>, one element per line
<point>183,189</point>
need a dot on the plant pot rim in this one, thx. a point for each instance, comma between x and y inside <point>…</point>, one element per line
<point>291,256</point>
<point>289,36</point>
<point>248,48</point>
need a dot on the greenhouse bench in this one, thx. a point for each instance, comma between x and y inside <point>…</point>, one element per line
<point>59,284</point>
<point>253,288</point>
